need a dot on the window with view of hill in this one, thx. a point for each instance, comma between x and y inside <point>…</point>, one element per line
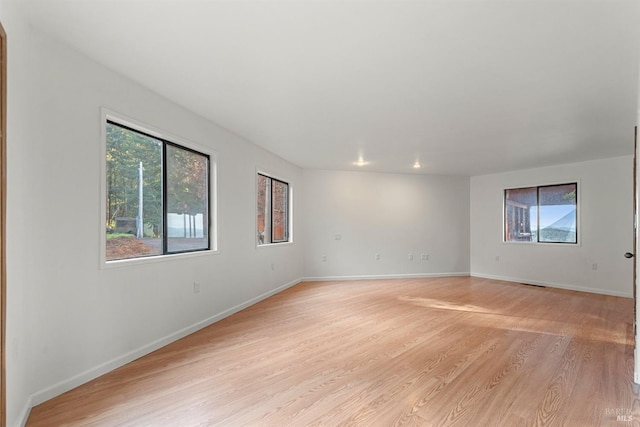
<point>157,195</point>
<point>543,214</point>
<point>272,210</point>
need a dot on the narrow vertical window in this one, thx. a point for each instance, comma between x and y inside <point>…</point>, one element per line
<point>280,211</point>
<point>272,210</point>
<point>157,196</point>
<point>264,209</point>
<point>544,214</point>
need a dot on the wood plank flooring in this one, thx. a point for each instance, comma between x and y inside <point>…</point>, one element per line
<point>422,352</point>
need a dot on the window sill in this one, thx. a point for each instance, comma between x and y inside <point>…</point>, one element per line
<point>571,245</point>
<point>270,245</point>
<point>155,259</point>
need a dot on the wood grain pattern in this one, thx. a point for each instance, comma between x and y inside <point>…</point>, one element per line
<point>422,352</point>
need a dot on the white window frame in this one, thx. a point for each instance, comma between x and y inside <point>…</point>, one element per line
<point>260,171</point>
<point>554,244</point>
<point>109,115</point>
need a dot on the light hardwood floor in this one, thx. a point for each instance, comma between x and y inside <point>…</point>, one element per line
<point>421,352</point>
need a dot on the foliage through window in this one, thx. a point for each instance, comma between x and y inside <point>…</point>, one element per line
<point>157,196</point>
<point>272,210</point>
<point>544,214</point>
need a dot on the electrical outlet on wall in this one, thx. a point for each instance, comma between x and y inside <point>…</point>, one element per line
<point>196,287</point>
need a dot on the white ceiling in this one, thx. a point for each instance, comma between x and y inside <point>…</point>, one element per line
<point>465,87</point>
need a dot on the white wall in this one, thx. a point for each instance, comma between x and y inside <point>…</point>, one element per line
<point>392,215</point>
<point>68,319</point>
<point>605,229</point>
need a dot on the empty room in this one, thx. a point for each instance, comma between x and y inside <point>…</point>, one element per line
<point>296,213</point>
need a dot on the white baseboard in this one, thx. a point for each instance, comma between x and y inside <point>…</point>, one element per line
<point>24,414</point>
<point>90,374</point>
<point>382,276</point>
<point>554,285</point>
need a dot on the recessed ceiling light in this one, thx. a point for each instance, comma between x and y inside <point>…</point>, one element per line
<point>417,165</point>
<point>360,162</point>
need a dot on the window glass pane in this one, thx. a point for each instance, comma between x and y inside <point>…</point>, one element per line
<point>272,210</point>
<point>558,213</point>
<point>520,215</point>
<point>280,201</point>
<point>263,203</point>
<point>134,194</point>
<point>187,200</point>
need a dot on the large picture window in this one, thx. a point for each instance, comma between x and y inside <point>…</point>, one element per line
<point>272,210</point>
<point>544,214</point>
<point>157,195</point>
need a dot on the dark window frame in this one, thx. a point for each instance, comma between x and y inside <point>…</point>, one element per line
<point>208,221</point>
<point>537,188</point>
<point>271,222</point>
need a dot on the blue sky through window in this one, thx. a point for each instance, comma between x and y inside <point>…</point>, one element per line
<point>551,214</point>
